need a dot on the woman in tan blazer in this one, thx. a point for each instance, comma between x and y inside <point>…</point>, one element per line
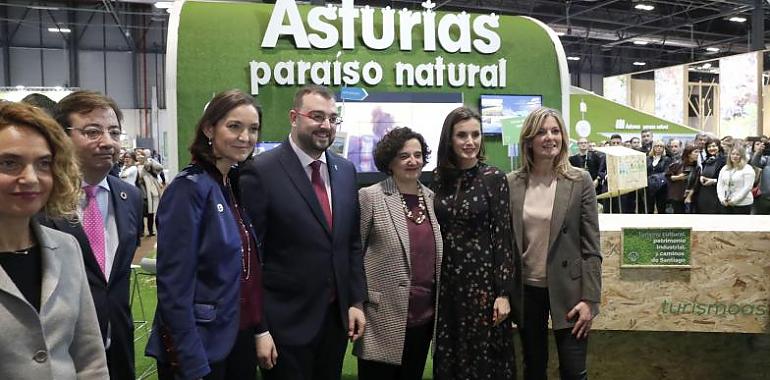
<point>402,258</point>
<point>558,266</point>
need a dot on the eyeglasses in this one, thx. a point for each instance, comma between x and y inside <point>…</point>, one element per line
<point>319,117</point>
<point>95,133</point>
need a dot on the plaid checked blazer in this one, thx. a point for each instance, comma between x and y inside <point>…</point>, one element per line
<point>385,242</point>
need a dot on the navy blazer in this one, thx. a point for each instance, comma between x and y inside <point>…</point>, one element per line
<point>303,259</point>
<point>111,298</point>
<point>199,271</point>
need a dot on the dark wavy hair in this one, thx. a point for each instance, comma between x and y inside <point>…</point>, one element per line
<point>218,107</point>
<point>446,167</point>
<point>393,141</point>
<point>688,149</point>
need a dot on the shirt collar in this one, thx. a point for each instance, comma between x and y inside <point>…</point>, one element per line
<point>104,185</point>
<point>304,158</point>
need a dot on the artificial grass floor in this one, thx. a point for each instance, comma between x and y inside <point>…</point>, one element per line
<point>143,312</point>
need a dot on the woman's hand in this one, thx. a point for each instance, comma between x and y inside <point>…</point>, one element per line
<point>501,310</point>
<point>581,311</point>
<point>267,354</point>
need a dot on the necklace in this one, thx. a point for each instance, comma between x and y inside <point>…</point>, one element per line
<point>421,210</point>
<point>244,235</point>
<point>17,252</point>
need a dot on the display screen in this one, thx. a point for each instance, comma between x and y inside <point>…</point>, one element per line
<point>506,110</point>
<point>366,121</point>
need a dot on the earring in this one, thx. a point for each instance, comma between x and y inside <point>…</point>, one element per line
<point>209,142</point>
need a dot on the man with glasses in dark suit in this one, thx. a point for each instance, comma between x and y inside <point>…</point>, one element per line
<point>303,202</point>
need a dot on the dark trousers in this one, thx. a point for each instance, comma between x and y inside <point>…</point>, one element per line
<point>737,210</point>
<point>321,359</point>
<point>656,201</point>
<point>762,205</point>
<point>241,363</point>
<point>534,341</point>
<point>416,346</point>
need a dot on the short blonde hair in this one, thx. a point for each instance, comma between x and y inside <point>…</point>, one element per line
<point>529,130</point>
<point>66,173</point>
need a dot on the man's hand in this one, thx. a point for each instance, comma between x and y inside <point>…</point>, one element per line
<point>267,354</point>
<point>501,310</point>
<point>356,322</point>
<point>584,319</point>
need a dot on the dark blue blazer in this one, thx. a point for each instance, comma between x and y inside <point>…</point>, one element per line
<point>303,259</point>
<point>111,299</point>
<point>199,271</point>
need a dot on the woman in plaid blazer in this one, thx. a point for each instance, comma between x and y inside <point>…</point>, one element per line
<point>402,259</point>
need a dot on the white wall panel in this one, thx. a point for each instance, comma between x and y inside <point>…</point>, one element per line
<point>91,70</point>
<point>25,67</point>
<point>120,78</point>
<point>56,66</point>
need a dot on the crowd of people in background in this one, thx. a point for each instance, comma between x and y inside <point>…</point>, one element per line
<point>706,175</point>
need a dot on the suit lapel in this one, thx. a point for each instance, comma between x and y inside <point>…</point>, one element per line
<point>518,186</point>
<point>298,177</point>
<point>336,182</point>
<point>119,202</point>
<point>7,285</point>
<point>51,266</point>
<point>395,209</point>
<point>560,206</point>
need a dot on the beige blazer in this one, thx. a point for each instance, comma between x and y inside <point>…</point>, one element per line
<point>574,252</point>
<point>385,241</point>
<point>62,342</point>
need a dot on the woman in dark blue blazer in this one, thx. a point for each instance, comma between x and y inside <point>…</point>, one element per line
<point>209,278</point>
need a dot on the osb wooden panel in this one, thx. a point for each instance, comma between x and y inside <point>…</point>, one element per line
<point>726,290</point>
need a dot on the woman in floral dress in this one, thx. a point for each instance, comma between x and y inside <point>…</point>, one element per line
<point>474,337</point>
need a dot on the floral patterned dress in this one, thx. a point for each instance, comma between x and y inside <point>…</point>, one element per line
<point>477,268</point>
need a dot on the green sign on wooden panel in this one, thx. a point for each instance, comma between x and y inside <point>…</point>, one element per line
<point>656,247</point>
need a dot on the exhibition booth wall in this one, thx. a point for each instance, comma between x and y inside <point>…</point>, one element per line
<point>272,50</point>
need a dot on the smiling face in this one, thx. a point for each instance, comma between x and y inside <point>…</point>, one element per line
<point>233,137</point>
<point>408,163</point>
<point>712,149</point>
<point>96,156</point>
<point>311,136</point>
<point>547,143</point>
<point>26,177</point>
<point>466,142</point>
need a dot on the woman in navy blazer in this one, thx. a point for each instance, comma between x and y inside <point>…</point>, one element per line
<point>209,278</point>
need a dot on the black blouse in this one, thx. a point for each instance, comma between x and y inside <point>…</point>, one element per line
<point>25,270</point>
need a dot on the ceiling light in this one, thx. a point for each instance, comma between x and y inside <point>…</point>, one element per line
<point>712,49</point>
<point>639,63</point>
<point>641,42</point>
<point>573,58</point>
<point>644,7</point>
<point>60,30</point>
<point>163,4</point>
<point>561,34</point>
<point>43,7</point>
<point>706,65</point>
<point>737,19</point>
